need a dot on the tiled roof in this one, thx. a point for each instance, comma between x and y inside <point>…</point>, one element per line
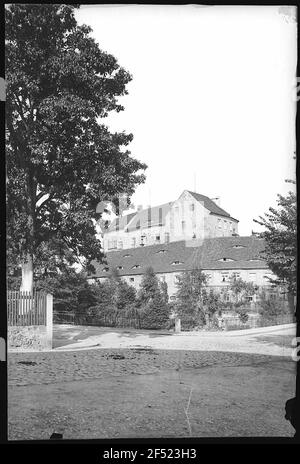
<point>204,254</point>
<point>121,222</point>
<point>150,217</point>
<point>241,252</point>
<point>210,205</point>
<point>156,215</point>
<point>143,219</point>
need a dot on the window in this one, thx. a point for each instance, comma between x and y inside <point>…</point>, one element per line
<point>157,238</point>
<point>136,266</point>
<point>177,262</point>
<point>133,242</point>
<point>120,267</point>
<point>236,275</point>
<point>161,251</point>
<point>252,276</point>
<point>225,259</point>
<point>176,209</point>
<point>183,226</point>
<point>105,269</point>
<point>249,298</point>
<point>224,276</point>
<point>219,224</point>
<point>143,240</point>
<point>192,207</point>
<point>126,256</point>
<point>163,278</point>
<point>131,279</point>
<point>238,246</point>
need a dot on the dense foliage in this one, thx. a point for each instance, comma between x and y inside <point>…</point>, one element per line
<point>280,234</point>
<point>152,301</point>
<point>61,159</point>
<point>196,306</point>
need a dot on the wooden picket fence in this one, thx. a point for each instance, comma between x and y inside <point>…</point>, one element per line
<point>26,308</point>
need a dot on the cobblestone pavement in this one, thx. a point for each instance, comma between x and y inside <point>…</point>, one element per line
<point>144,392</point>
<point>52,367</point>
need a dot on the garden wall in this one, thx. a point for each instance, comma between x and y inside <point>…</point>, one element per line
<point>35,337</point>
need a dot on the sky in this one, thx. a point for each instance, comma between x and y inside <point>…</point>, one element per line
<point>212,102</point>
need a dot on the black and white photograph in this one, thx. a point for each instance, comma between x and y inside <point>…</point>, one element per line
<point>151,223</point>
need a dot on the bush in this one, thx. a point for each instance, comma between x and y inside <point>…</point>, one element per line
<point>155,314</point>
<point>152,299</point>
<point>272,309</point>
<point>242,313</point>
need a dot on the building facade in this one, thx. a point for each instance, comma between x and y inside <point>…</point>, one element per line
<point>191,216</point>
<point>219,258</point>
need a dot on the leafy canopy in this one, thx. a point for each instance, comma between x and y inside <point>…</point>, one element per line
<point>281,240</point>
<point>61,159</point>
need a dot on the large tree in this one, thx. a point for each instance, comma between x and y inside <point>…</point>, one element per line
<point>61,160</point>
<point>280,234</point>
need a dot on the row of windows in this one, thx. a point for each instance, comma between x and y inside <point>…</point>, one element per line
<point>225,276</point>
<point>118,244</point>
<point>191,208</point>
<point>227,225</point>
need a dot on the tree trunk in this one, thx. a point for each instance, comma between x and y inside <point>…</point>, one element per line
<point>27,275</point>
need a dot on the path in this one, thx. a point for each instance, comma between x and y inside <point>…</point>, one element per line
<point>276,341</point>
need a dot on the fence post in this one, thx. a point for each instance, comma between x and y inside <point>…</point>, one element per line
<point>177,325</point>
<point>49,319</point>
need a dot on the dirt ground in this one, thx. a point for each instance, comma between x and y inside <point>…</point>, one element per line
<point>121,393</point>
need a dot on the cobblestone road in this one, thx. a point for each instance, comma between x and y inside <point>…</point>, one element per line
<point>145,393</point>
<point>52,367</point>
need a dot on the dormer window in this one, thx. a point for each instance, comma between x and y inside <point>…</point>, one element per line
<point>136,266</point>
<point>120,267</point>
<point>126,256</point>
<point>105,269</point>
<point>238,246</point>
<point>161,251</point>
<point>177,262</point>
<point>225,260</point>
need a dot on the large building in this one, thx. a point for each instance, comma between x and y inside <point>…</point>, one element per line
<point>191,216</point>
<point>218,257</point>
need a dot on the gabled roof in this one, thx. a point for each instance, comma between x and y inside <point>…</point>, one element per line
<point>204,254</point>
<point>211,205</point>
